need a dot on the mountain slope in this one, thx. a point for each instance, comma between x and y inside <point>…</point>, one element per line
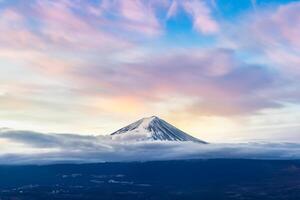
<point>152,128</point>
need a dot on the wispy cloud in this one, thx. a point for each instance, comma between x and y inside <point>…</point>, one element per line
<point>201,14</point>
<point>273,35</point>
<point>203,20</point>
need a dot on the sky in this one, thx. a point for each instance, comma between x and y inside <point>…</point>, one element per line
<point>220,70</point>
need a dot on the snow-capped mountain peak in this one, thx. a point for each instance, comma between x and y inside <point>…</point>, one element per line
<point>145,122</point>
<point>152,128</point>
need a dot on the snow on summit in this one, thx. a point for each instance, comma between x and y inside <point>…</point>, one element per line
<point>152,128</point>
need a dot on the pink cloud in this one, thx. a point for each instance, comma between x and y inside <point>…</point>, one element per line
<point>216,80</point>
<point>14,33</point>
<point>287,20</point>
<point>272,34</point>
<point>203,20</point>
<point>60,25</point>
<point>136,16</point>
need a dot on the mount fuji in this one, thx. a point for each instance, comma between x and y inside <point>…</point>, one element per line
<point>152,129</point>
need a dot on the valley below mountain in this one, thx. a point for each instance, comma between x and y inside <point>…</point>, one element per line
<point>222,179</point>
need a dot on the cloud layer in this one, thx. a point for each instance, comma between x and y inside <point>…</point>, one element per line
<point>39,148</point>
